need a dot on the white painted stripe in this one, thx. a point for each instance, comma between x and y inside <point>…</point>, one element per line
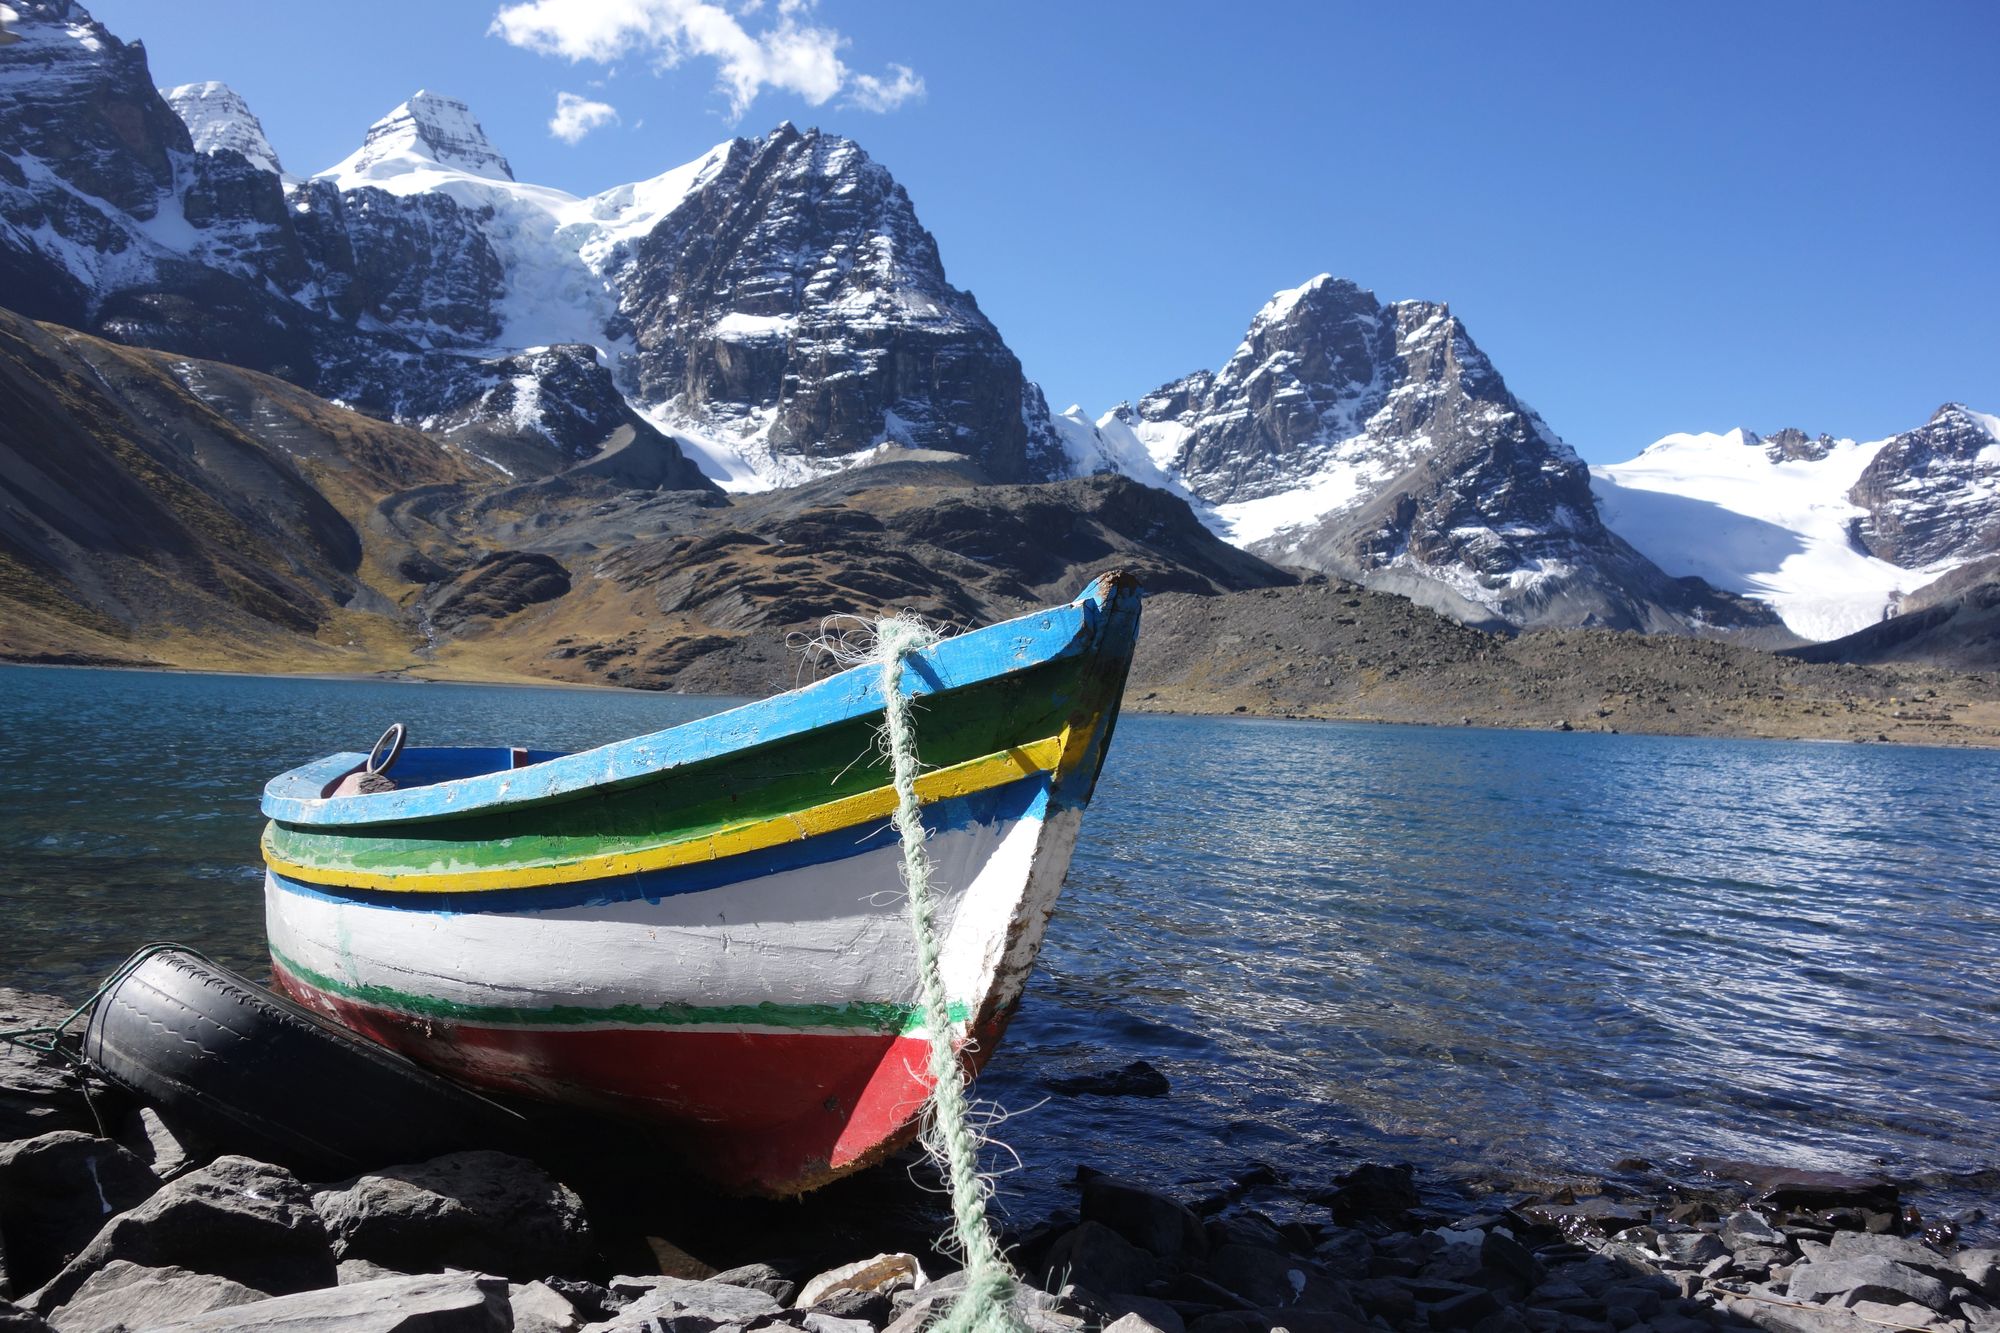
<point>828,934</point>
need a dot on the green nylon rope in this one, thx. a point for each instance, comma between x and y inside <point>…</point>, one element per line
<point>986,1304</point>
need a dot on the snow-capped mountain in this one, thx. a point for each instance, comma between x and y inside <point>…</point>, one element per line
<point>218,120</point>
<point>1832,534</point>
<point>774,306</point>
<point>1378,443</point>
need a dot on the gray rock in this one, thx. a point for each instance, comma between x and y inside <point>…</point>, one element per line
<point>1092,1255</point>
<point>155,1143</point>
<point>353,1272</point>
<point>817,1322</point>
<point>236,1218</point>
<point>1149,1220</point>
<point>1900,1315</point>
<point>56,1192</point>
<point>1691,1249</point>
<point>1979,1318</point>
<point>1133,1322</point>
<point>489,1211</point>
<point>1373,1191</point>
<point>1982,1269</point>
<point>1745,1227</point>
<point>123,1295</point>
<point>1903,1250</point>
<point>1865,1277</point>
<point>1763,1258</point>
<point>423,1303</point>
<point>38,1093</point>
<point>760,1277</point>
<point>1314,1321</point>
<point>675,1297</point>
<point>536,1307</point>
<point>1463,1310</point>
<point>13,1319</point>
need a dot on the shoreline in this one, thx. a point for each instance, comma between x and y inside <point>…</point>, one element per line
<point>1139,700</point>
<point>118,1215</point>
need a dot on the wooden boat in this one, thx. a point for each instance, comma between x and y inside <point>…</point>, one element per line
<point>704,927</point>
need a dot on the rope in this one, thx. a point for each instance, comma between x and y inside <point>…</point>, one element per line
<point>986,1303</point>
<point>48,1039</point>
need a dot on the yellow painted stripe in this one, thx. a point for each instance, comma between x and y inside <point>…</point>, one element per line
<point>963,779</point>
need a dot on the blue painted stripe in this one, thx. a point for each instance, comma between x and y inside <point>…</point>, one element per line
<point>1025,799</point>
<point>1014,645</point>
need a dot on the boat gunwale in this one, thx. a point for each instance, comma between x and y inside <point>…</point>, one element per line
<point>1031,640</point>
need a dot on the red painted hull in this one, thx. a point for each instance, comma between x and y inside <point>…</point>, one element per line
<point>767,1112</point>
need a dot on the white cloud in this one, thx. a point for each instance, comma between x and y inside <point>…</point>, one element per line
<point>577,116</point>
<point>873,94</point>
<point>790,55</point>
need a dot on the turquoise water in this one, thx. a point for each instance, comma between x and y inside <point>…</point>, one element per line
<point>1487,952</point>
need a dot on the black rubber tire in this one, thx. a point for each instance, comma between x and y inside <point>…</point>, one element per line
<point>259,1075</point>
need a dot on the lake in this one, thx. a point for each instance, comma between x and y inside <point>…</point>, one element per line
<point>1499,955</point>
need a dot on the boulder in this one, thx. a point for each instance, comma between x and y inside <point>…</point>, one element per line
<point>1133,1322</point>
<point>1690,1249</point>
<point>13,1319</point>
<point>1373,1192</point>
<point>1744,1227</point>
<point>353,1272</point>
<point>56,1192</point>
<point>817,1322</point>
<point>1094,1256</point>
<point>1906,1251</point>
<point>244,1220</point>
<point>124,1295</point>
<point>1154,1314</point>
<point>488,1211</point>
<point>1149,1220</point>
<point>422,1303</point>
<point>1865,1277</point>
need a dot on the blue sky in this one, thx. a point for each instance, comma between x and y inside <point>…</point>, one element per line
<point>1652,218</point>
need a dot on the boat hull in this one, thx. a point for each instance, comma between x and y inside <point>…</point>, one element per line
<point>749,983</point>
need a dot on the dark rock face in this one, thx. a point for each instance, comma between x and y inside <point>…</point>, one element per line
<point>1791,445</point>
<point>56,1191</point>
<point>480,1210</point>
<point>1959,631</point>
<point>124,1295</point>
<point>501,584</point>
<point>1437,482</point>
<point>247,1221</point>
<point>795,285</point>
<point>1933,493</point>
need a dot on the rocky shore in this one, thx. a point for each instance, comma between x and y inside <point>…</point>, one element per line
<point>112,1219</point>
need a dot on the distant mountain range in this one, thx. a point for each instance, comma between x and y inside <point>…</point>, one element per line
<point>774,313</point>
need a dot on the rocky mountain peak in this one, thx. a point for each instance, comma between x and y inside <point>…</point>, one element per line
<point>1933,493</point>
<point>219,120</point>
<point>1792,445</point>
<point>428,127</point>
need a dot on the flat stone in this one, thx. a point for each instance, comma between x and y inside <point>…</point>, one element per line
<point>815,1322</point>
<point>422,1303</point>
<point>244,1220</point>
<point>1345,1253</point>
<point>1137,1079</point>
<point>124,1295</point>
<point>1586,1217</point>
<point>1867,1277</point>
<point>1902,1314</point>
<point>1463,1310</point>
<point>57,1190</point>
<point>880,1273</point>
<point>1903,1250</point>
<point>488,1211</point>
<point>1148,1219</point>
<point>1691,1249</point>
<point>671,1297</point>
<point>536,1307</point>
<point>1383,1193</point>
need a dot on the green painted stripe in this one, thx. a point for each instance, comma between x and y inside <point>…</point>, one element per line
<point>703,798</point>
<point>869,1015</point>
